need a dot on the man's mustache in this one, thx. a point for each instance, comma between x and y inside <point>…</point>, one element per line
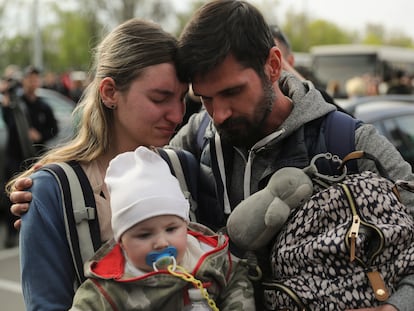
<point>232,123</point>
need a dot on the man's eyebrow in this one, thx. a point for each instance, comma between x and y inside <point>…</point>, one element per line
<point>223,91</point>
<point>232,88</point>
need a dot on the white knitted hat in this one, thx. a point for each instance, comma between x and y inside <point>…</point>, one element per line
<point>141,186</point>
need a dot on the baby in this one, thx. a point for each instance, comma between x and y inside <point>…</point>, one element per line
<point>156,257</point>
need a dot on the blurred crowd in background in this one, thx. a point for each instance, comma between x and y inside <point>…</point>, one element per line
<point>70,83</point>
<point>30,122</point>
<point>367,85</point>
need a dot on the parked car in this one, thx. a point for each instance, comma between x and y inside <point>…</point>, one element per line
<point>62,108</point>
<point>392,115</point>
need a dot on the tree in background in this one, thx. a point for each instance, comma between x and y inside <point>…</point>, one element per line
<point>78,25</point>
<point>14,51</point>
<point>183,17</point>
<point>67,42</point>
<point>304,32</point>
<point>376,34</point>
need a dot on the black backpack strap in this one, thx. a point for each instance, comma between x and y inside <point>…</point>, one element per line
<point>185,168</point>
<point>79,207</point>
<point>340,135</point>
<point>200,138</point>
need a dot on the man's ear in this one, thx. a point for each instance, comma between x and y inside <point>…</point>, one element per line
<point>107,89</point>
<point>274,64</point>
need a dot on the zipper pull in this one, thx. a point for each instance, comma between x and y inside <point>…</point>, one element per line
<point>353,234</point>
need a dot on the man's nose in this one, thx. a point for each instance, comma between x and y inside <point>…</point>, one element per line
<point>221,111</point>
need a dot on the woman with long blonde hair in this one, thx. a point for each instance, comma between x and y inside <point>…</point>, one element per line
<point>135,99</point>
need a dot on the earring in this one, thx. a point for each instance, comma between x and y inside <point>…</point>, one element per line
<point>112,107</point>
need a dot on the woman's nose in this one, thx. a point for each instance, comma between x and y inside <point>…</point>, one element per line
<point>176,112</point>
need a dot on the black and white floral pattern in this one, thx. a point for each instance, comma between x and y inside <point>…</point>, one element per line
<point>311,257</point>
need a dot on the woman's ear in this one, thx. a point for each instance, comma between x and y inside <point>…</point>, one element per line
<point>274,64</point>
<point>107,89</point>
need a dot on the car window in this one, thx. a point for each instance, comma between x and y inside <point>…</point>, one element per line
<point>400,131</point>
<point>62,109</point>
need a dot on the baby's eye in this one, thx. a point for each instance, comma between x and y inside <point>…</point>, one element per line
<point>143,236</point>
<point>172,229</point>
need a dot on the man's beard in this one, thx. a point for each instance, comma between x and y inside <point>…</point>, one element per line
<point>241,132</point>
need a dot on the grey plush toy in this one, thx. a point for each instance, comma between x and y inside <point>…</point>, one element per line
<point>258,218</point>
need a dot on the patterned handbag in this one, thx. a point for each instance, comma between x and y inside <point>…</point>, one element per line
<point>347,247</point>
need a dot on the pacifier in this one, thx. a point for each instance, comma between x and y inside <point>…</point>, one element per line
<point>162,259</point>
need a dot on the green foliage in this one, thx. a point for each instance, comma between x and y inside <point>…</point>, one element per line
<point>372,39</point>
<point>323,32</point>
<point>296,29</point>
<point>68,42</point>
<point>305,32</point>
<point>400,40</point>
<point>184,17</point>
<point>16,50</point>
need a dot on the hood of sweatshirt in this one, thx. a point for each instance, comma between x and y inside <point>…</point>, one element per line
<point>308,103</point>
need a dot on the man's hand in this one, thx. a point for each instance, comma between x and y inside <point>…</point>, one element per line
<point>20,199</point>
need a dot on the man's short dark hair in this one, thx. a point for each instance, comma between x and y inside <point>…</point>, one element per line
<point>220,28</point>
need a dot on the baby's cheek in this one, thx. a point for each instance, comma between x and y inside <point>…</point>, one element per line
<point>181,250</point>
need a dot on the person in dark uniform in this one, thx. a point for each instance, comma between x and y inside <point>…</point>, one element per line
<point>30,124</point>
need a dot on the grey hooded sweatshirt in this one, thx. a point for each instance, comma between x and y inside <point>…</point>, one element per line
<point>244,172</point>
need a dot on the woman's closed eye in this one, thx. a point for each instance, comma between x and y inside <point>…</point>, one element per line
<point>159,99</point>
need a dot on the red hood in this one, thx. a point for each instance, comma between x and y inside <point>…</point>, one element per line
<point>112,264</point>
